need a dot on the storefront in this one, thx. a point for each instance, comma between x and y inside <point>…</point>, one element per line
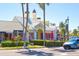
<point>2,36</point>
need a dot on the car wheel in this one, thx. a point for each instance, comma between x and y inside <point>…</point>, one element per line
<point>66,47</point>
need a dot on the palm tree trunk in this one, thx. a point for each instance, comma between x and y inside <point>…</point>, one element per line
<point>27,16</point>
<point>42,6</point>
<point>44,23</point>
<point>23,17</point>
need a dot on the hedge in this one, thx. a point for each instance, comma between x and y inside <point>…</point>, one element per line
<point>48,43</point>
<point>37,42</point>
<point>12,43</point>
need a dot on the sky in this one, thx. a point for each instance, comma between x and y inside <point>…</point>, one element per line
<point>55,12</point>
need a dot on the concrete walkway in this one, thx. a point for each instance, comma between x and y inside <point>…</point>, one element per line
<point>57,51</point>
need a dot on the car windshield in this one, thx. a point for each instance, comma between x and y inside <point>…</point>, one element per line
<point>71,40</point>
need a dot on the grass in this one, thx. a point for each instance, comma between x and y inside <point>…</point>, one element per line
<point>10,48</point>
<point>20,47</point>
<point>35,46</point>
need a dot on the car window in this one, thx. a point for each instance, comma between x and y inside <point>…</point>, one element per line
<point>77,40</point>
<point>72,39</point>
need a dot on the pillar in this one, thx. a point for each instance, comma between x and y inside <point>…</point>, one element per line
<point>44,36</point>
<point>55,35</point>
<point>35,35</point>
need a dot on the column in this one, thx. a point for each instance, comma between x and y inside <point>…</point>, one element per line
<point>35,35</point>
<point>55,35</point>
<point>43,36</point>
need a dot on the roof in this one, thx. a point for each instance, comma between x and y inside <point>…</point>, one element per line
<point>17,24</point>
<point>19,19</point>
<point>9,26</point>
<point>34,11</point>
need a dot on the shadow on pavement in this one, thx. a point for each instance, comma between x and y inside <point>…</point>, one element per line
<point>63,50</point>
<point>35,53</point>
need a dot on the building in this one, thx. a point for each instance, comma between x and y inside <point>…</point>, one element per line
<point>10,29</point>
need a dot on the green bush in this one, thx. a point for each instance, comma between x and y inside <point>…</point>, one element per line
<point>37,42</point>
<point>54,43</point>
<point>58,43</point>
<point>12,43</point>
<point>20,43</point>
<point>48,43</point>
<point>7,44</point>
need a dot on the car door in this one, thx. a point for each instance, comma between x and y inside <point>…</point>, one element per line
<point>78,43</point>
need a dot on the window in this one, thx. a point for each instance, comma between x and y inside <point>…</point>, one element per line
<point>77,40</point>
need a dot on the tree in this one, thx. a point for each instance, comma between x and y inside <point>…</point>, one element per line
<point>61,25</point>
<point>18,38</point>
<point>23,12</point>
<point>27,18</point>
<point>62,29</point>
<point>22,5</point>
<point>75,32</point>
<point>78,30</point>
<point>42,6</point>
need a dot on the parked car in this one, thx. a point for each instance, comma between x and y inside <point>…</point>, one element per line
<point>72,43</point>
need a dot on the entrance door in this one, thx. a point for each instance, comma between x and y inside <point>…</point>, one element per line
<point>51,35</point>
<point>40,34</point>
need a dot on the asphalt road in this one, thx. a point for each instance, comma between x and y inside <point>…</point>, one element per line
<point>57,51</point>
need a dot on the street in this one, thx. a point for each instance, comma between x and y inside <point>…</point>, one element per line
<point>57,51</point>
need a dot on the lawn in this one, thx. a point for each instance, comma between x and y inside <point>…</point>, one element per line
<point>20,47</point>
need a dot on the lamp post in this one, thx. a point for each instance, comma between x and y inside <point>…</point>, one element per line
<point>67,27</point>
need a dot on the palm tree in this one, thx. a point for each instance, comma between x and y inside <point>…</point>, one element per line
<point>42,6</point>
<point>22,4</point>
<point>62,28</point>
<point>75,32</point>
<point>27,18</point>
<point>78,27</point>
<point>61,25</point>
<point>78,30</point>
<point>23,12</point>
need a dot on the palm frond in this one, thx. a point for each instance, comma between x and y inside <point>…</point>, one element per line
<point>41,5</point>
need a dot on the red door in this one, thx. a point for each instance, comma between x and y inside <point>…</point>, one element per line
<point>51,35</point>
<point>47,36</point>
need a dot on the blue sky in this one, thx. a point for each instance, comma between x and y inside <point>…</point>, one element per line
<point>55,12</point>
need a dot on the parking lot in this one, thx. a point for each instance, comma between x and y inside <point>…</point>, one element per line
<point>55,51</point>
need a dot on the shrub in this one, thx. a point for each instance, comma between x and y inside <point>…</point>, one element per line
<point>12,43</point>
<point>20,43</point>
<point>7,44</point>
<point>48,43</point>
<point>55,43</point>
<point>37,42</point>
<point>58,43</point>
